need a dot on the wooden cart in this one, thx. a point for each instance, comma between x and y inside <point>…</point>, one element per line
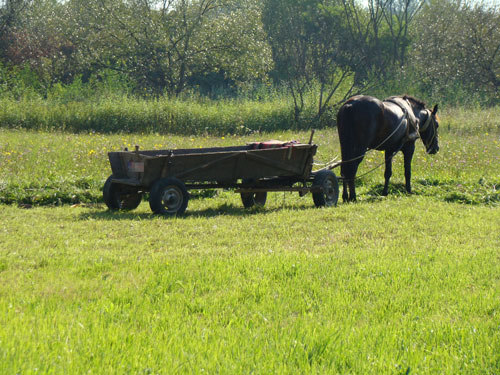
<point>252,170</point>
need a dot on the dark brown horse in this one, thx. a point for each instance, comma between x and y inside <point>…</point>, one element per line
<point>392,125</point>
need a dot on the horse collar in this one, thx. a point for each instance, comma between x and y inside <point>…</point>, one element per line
<point>405,104</point>
<point>427,121</point>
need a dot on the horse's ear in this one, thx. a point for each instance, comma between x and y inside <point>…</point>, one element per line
<point>434,111</point>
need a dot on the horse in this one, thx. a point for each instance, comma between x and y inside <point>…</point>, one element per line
<point>392,125</point>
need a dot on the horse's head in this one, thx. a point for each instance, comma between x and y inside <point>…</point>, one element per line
<point>429,130</point>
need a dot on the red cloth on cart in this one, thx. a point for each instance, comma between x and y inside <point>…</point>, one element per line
<point>271,144</point>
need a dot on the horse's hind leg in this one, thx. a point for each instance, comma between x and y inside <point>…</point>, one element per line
<point>352,187</point>
<point>348,171</point>
<point>345,194</point>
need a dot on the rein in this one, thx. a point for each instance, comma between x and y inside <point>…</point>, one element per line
<point>423,128</point>
<point>331,165</point>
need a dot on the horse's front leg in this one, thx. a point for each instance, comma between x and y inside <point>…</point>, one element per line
<point>388,172</point>
<point>408,151</point>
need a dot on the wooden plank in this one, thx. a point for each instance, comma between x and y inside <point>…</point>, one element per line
<point>206,165</point>
<point>274,163</point>
<point>302,190</point>
<point>127,181</point>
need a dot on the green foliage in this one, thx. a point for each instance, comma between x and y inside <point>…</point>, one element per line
<point>311,48</point>
<point>164,115</point>
<point>219,47</point>
<point>168,46</point>
<point>19,82</point>
<point>456,51</point>
<point>107,85</point>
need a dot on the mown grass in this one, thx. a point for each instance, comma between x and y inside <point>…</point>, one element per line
<point>402,285</point>
<point>60,167</point>
<point>390,285</point>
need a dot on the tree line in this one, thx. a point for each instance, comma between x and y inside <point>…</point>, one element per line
<point>443,49</point>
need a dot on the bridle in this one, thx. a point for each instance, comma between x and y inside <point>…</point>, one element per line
<point>430,119</point>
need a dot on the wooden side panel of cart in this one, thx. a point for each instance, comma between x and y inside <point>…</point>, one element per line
<point>216,164</point>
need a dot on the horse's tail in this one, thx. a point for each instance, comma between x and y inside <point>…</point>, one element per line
<point>345,119</point>
<point>346,123</point>
<point>353,120</point>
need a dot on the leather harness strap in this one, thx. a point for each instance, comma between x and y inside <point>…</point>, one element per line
<point>405,106</point>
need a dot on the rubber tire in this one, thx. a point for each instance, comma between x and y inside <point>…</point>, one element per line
<point>117,198</point>
<point>251,199</point>
<point>174,191</point>
<point>328,181</point>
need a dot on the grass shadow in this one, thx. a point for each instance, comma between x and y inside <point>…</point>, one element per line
<point>225,209</point>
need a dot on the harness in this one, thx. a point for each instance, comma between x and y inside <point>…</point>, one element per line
<point>424,128</point>
<point>408,115</point>
<point>335,164</point>
<point>427,122</point>
<point>404,104</point>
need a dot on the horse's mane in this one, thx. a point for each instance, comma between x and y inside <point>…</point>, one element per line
<point>414,100</point>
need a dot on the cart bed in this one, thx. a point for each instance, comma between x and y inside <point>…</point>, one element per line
<point>143,168</point>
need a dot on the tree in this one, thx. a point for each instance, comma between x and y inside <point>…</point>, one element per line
<point>398,16</point>
<point>10,11</point>
<point>482,49</point>
<point>232,47</point>
<point>457,48</point>
<point>37,41</point>
<point>381,32</point>
<point>310,46</point>
<point>162,45</point>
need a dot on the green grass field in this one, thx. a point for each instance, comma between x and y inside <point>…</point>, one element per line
<point>389,285</point>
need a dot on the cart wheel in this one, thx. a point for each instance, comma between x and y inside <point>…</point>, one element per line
<point>251,199</point>
<point>118,197</point>
<point>328,182</point>
<point>168,197</point>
